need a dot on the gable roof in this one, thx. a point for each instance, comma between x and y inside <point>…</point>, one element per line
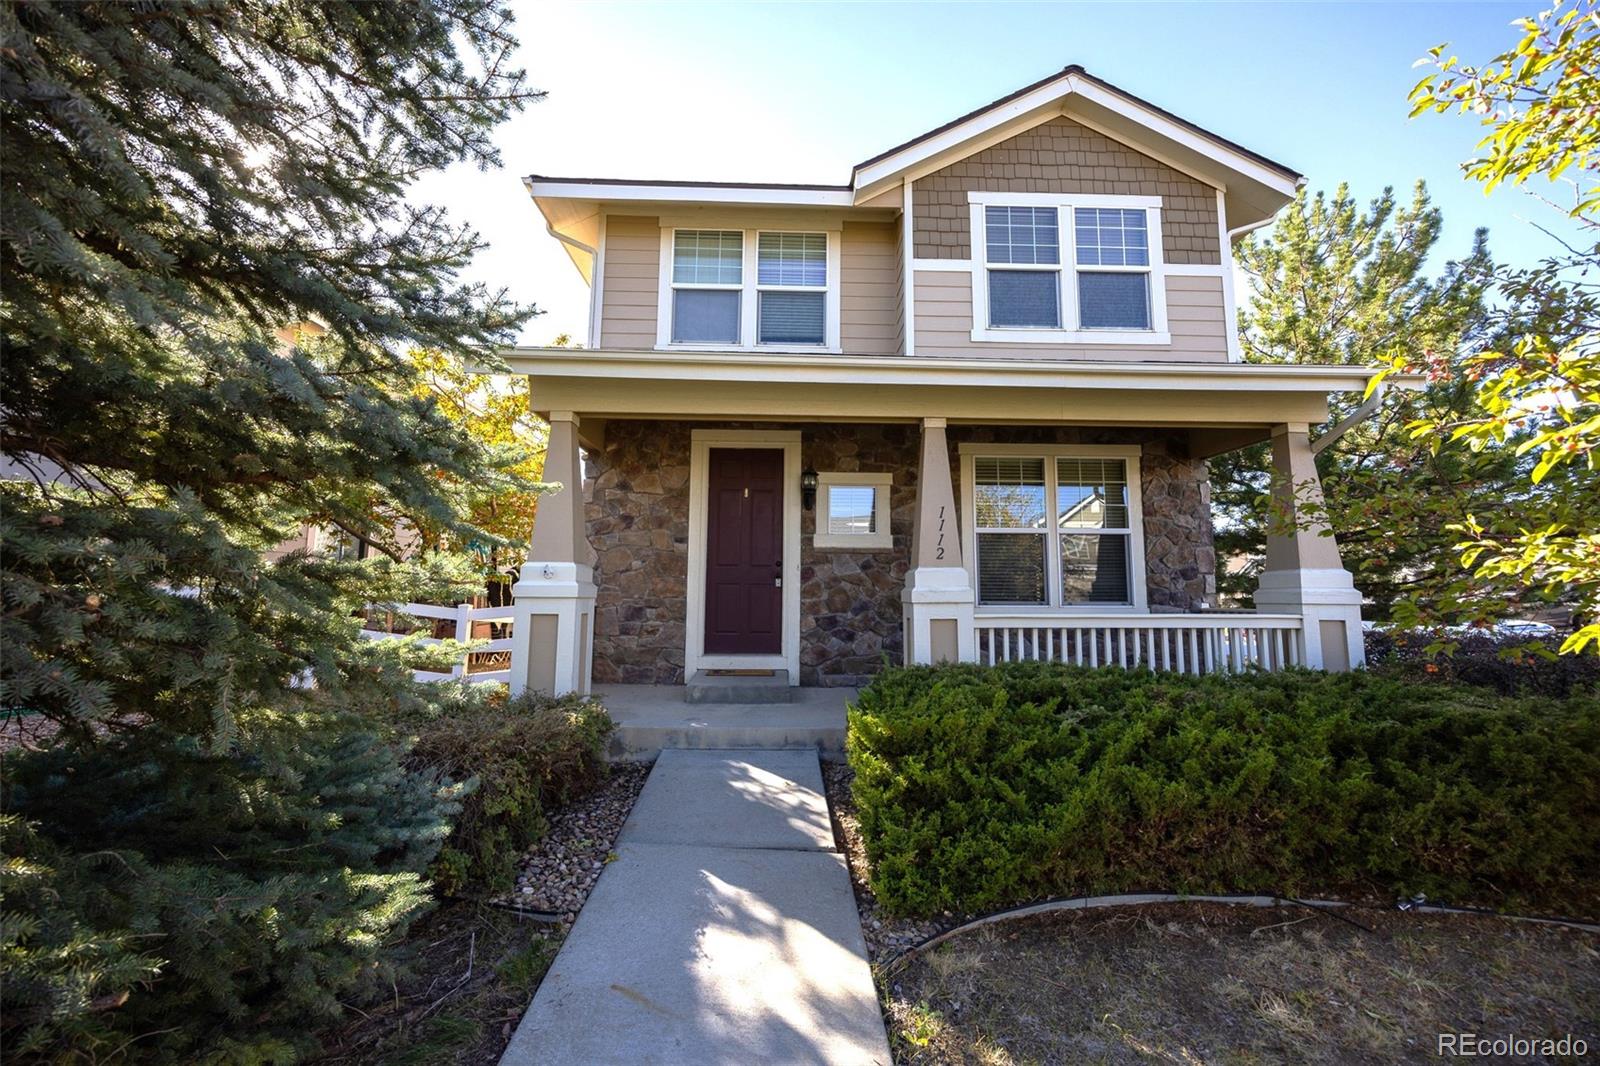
<point>1253,186</point>
<point>1075,70</point>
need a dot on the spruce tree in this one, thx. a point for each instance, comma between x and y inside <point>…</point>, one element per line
<point>222,839</point>
<point>1334,282</point>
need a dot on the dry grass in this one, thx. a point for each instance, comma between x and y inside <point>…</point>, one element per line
<point>1206,983</point>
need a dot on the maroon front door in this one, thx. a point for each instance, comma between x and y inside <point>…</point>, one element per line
<point>744,552</point>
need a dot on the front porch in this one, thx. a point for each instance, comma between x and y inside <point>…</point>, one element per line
<point>1046,533</point>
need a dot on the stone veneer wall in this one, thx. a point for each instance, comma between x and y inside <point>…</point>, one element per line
<point>1061,156</point>
<point>850,617</point>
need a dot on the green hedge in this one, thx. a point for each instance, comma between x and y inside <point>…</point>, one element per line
<point>981,787</point>
<point>518,758</point>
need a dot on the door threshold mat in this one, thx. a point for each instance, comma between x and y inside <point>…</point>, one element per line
<point>739,673</point>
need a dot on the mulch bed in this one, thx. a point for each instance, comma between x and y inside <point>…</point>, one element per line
<point>470,969</point>
<point>1213,983</point>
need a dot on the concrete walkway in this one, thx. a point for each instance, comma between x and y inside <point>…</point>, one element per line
<point>725,932</point>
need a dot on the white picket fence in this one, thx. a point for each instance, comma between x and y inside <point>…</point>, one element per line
<point>1185,643</point>
<point>463,615</point>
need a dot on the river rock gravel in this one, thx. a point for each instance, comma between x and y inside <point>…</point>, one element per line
<point>558,873</point>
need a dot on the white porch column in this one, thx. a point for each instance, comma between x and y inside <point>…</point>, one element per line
<point>938,597</point>
<point>553,601</point>
<point>1303,573</point>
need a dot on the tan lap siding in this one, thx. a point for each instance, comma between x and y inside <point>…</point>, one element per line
<point>868,316</point>
<point>1195,317</point>
<point>1061,156</point>
<point>632,282</point>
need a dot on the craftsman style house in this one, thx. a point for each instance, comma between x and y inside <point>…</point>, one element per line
<point>958,408</point>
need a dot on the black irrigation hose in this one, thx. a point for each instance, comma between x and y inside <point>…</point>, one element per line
<point>542,917</point>
<point>1330,907</point>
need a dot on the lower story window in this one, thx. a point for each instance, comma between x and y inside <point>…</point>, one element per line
<point>1055,529</point>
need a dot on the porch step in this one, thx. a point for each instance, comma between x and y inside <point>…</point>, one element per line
<point>706,687</point>
<point>653,718</point>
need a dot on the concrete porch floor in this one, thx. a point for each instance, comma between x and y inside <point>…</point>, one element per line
<point>651,718</point>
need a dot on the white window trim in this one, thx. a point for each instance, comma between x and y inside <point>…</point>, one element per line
<point>695,657</point>
<point>1068,268</point>
<point>1130,453</point>
<point>749,289</point>
<point>882,537</point>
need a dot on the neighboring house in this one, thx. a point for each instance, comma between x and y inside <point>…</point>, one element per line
<point>958,408</point>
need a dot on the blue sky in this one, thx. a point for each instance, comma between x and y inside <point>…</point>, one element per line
<point>778,92</point>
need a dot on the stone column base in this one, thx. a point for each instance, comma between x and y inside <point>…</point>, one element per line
<point>938,603</point>
<point>1330,607</point>
<point>552,629</point>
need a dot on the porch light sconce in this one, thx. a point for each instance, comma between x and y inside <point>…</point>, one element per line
<point>808,488</point>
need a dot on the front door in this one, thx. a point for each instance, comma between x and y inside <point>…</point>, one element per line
<point>744,552</point>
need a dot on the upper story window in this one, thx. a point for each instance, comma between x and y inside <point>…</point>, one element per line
<point>707,277</point>
<point>1115,242</point>
<point>1102,284</point>
<point>792,286</point>
<point>1024,258</point>
<point>747,288</point>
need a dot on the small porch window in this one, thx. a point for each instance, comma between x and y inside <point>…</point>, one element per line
<point>853,511</point>
<point>1056,528</point>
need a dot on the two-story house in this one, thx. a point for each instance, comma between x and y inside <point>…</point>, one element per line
<point>958,408</point>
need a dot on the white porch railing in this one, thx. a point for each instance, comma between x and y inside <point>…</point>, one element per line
<point>490,661</point>
<point>1185,643</point>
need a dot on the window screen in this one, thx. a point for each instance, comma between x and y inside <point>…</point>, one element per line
<point>705,316</point>
<point>707,257</point>
<point>1113,301</point>
<point>1025,298</point>
<point>852,509</point>
<point>1111,236</point>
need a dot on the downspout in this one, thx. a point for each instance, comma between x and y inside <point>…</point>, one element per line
<point>573,242</point>
<point>1368,408</point>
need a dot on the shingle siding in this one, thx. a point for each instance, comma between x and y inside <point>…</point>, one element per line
<point>1061,156</point>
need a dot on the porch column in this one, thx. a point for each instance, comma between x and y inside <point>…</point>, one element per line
<point>1303,573</point>
<point>553,600</point>
<point>938,597</point>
